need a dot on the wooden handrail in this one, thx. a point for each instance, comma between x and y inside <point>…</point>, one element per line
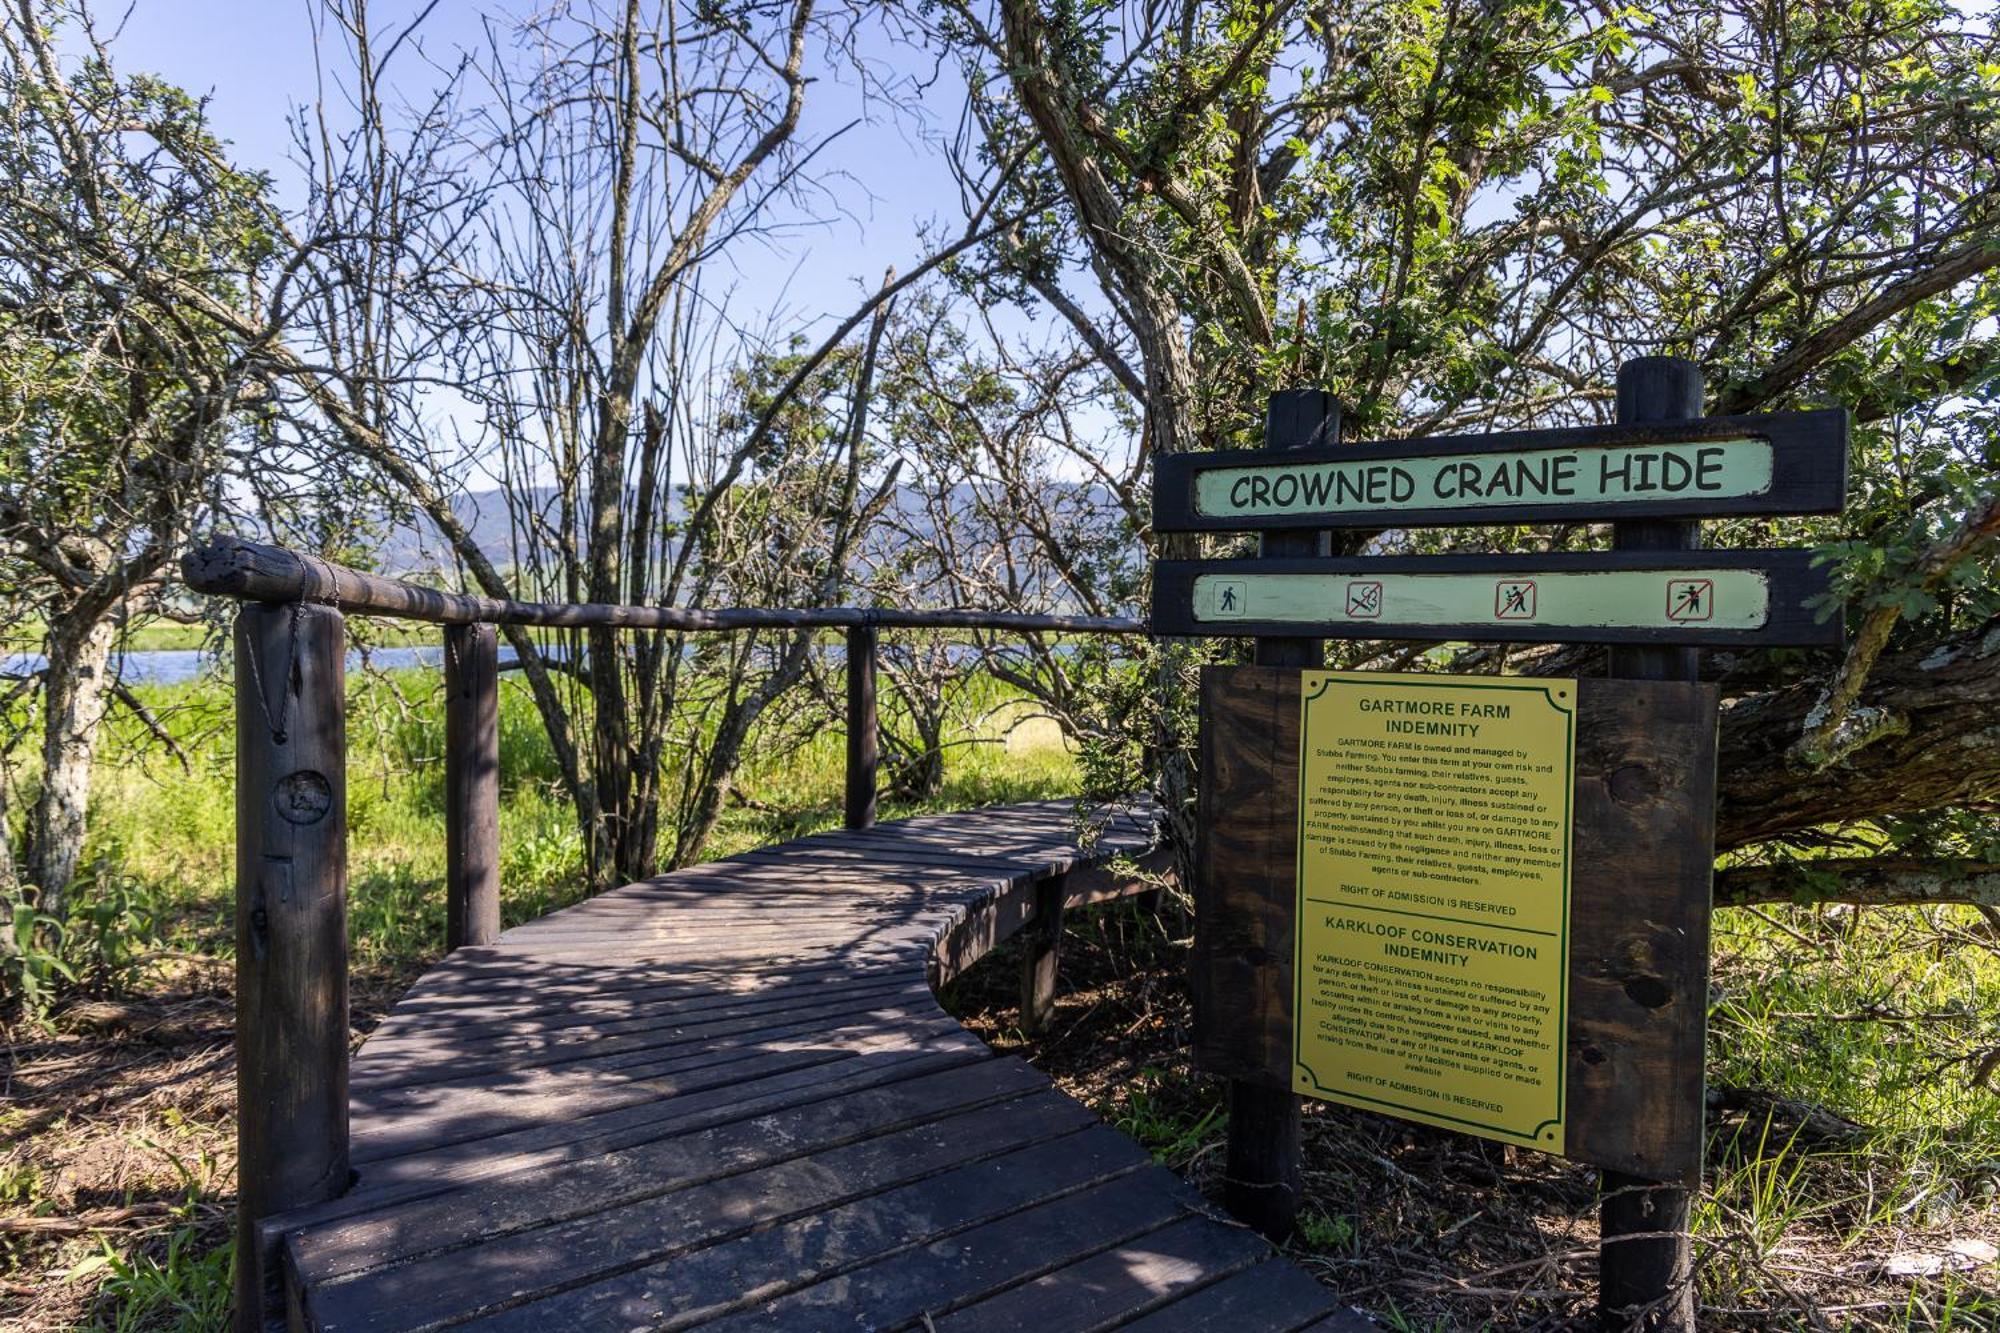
<point>291,827</point>
<point>250,571</point>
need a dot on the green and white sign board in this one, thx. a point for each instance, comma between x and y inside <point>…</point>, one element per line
<point>1623,475</point>
<point>1713,597</point>
<point>1781,463</point>
<point>1738,599</point>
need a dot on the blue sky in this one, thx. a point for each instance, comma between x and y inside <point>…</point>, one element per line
<point>254,60</point>
<point>892,194</point>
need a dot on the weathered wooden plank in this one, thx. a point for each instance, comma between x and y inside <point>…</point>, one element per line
<point>623,1046</point>
<point>1645,1255</point>
<point>1054,846</point>
<point>1747,599</point>
<point>777,914</point>
<point>1349,1320</point>
<point>825,931</point>
<point>408,1151</point>
<point>904,947</point>
<point>474,1022</point>
<point>424,1175</point>
<point>983,926</point>
<point>961,1268</point>
<point>903,853</point>
<point>624,1136</point>
<point>1263,1150</point>
<point>1042,959</point>
<point>1644,855</point>
<point>1805,454</point>
<point>1047,823</point>
<point>510,1269</point>
<point>1270,1297</point>
<point>517,979</point>
<point>573,1189</point>
<point>230,566</point>
<point>478,1110</point>
<point>753,883</point>
<point>863,728</point>
<point>807,926</point>
<point>1099,882</point>
<point>694,1288</point>
<point>1241,972</point>
<point>471,1015</point>
<point>1128,1279</point>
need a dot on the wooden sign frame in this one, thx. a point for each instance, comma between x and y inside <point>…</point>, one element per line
<point>1794,579</point>
<point>1809,454</point>
<point>1643,854</point>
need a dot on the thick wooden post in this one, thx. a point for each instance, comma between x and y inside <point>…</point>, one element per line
<point>862,739</point>
<point>291,929</point>
<point>1043,956</point>
<point>1646,1281</point>
<point>1263,1158</point>
<point>471,785</point>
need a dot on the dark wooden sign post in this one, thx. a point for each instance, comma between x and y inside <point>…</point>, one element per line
<point>1263,1157</point>
<point>1604,798</point>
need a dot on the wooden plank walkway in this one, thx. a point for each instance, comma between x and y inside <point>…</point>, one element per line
<point>727,1097</point>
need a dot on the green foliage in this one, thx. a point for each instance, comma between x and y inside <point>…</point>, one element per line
<point>99,944</point>
<point>1327,1233</point>
<point>33,972</point>
<point>115,189</point>
<point>186,1288</point>
<point>1878,1022</point>
<point>1157,1111</point>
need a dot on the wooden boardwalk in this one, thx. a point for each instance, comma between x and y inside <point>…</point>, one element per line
<point>727,1097</point>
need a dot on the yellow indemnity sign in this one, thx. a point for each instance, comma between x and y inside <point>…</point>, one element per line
<point>1432,950</point>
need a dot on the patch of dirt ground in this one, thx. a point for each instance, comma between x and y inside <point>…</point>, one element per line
<point>1435,1230</point>
<point>118,1154</point>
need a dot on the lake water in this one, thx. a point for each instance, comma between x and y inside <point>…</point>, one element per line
<point>172,666</point>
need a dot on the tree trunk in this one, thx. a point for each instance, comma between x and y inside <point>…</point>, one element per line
<point>1924,734</point>
<point>76,693</point>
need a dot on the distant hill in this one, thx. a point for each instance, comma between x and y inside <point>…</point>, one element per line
<point>415,548</point>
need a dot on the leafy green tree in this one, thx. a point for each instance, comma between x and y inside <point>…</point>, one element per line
<point>119,407</point>
<point>1463,216</point>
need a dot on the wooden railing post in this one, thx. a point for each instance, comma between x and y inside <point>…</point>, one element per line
<point>1263,1158</point>
<point>1645,1257</point>
<point>471,785</point>
<point>862,738</point>
<point>291,929</point>
<point>1043,956</point>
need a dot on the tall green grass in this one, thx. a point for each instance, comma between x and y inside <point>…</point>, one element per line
<point>1874,1017</point>
<point>162,834</point>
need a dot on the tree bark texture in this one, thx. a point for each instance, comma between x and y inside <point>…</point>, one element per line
<point>76,694</point>
<point>1930,737</point>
